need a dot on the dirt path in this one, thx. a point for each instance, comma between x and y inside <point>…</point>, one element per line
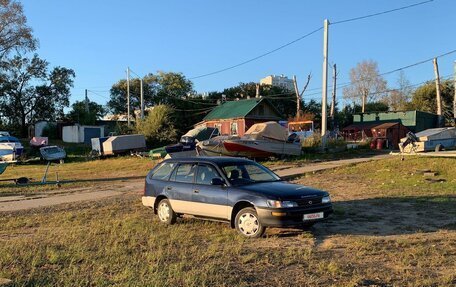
<point>108,189</point>
<point>103,191</point>
<point>314,167</point>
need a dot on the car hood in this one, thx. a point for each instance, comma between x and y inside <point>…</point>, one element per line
<point>282,190</point>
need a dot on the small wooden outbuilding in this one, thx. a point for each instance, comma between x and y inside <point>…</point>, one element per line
<point>391,132</point>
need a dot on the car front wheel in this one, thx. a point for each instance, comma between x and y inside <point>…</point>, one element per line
<point>247,223</point>
<point>165,212</point>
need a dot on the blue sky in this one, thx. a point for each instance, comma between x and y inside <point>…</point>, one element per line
<point>99,39</point>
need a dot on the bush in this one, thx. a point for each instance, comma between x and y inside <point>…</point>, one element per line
<point>158,127</point>
<point>313,143</point>
<point>123,129</point>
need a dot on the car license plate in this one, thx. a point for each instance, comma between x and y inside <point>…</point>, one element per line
<point>312,216</point>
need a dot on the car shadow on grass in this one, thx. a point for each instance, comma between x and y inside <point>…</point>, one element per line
<point>371,217</point>
<point>390,216</point>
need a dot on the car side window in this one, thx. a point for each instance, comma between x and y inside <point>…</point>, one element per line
<point>184,173</point>
<point>163,172</point>
<point>205,174</point>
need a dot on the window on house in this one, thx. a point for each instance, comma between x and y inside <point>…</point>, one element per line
<point>219,127</point>
<point>234,128</point>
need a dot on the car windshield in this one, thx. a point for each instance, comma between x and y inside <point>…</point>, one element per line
<point>248,173</point>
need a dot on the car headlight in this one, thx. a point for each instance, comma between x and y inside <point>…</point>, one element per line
<point>326,199</point>
<point>281,204</point>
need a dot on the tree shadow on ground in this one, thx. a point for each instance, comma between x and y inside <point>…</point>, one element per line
<point>390,216</point>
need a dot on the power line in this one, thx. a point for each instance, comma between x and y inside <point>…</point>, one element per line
<point>307,35</point>
<point>194,110</point>
<point>342,85</point>
<point>93,92</point>
<point>258,57</point>
<point>380,13</point>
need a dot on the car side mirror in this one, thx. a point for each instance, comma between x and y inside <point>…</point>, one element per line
<point>217,181</point>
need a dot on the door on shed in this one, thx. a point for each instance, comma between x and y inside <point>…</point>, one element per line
<point>90,133</point>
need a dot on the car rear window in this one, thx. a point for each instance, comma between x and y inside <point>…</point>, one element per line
<point>163,171</point>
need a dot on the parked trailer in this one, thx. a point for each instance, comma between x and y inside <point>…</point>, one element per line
<point>123,144</point>
<point>97,145</point>
<point>431,140</point>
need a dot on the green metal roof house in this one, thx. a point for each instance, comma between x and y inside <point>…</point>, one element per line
<point>236,117</point>
<point>415,121</point>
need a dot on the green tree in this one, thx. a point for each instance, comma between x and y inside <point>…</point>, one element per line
<point>14,32</point>
<point>160,88</point>
<point>79,114</point>
<point>157,126</point>
<point>424,98</point>
<point>30,92</point>
<point>172,89</point>
<point>118,98</point>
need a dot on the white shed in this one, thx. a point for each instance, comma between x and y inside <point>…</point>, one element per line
<point>81,134</point>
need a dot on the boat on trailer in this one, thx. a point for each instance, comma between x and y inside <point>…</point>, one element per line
<point>264,140</point>
<point>52,153</point>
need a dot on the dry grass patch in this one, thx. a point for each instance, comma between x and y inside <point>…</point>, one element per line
<point>85,170</point>
<point>395,236</point>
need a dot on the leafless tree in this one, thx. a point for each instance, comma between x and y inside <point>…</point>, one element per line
<point>14,32</point>
<point>366,84</point>
<point>399,98</point>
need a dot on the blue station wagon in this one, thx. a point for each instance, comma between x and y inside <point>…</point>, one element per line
<point>239,191</point>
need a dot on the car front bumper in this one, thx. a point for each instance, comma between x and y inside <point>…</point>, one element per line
<point>291,216</point>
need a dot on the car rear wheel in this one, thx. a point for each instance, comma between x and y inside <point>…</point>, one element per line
<point>247,223</point>
<point>165,212</point>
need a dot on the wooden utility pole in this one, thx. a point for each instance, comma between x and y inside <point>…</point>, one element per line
<point>333,102</point>
<point>142,99</point>
<point>298,98</point>
<point>128,96</point>
<point>324,94</point>
<point>454,98</point>
<point>86,102</point>
<point>257,90</point>
<point>437,89</point>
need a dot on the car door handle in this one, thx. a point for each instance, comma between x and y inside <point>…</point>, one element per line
<point>196,191</point>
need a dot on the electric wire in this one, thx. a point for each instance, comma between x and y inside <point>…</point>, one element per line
<point>380,13</point>
<point>307,35</point>
<point>258,57</point>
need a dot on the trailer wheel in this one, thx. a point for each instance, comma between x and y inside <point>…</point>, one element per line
<point>93,154</point>
<point>439,147</point>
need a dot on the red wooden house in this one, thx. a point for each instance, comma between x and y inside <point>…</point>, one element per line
<point>236,117</point>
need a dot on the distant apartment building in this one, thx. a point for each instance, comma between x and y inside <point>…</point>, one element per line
<point>279,81</point>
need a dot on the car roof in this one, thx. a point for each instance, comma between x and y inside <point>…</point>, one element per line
<point>216,159</point>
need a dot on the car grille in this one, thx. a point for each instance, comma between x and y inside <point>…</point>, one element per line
<point>308,201</point>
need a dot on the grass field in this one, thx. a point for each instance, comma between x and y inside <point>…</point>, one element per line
<point>391,227</point>
<point>74,170</point>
